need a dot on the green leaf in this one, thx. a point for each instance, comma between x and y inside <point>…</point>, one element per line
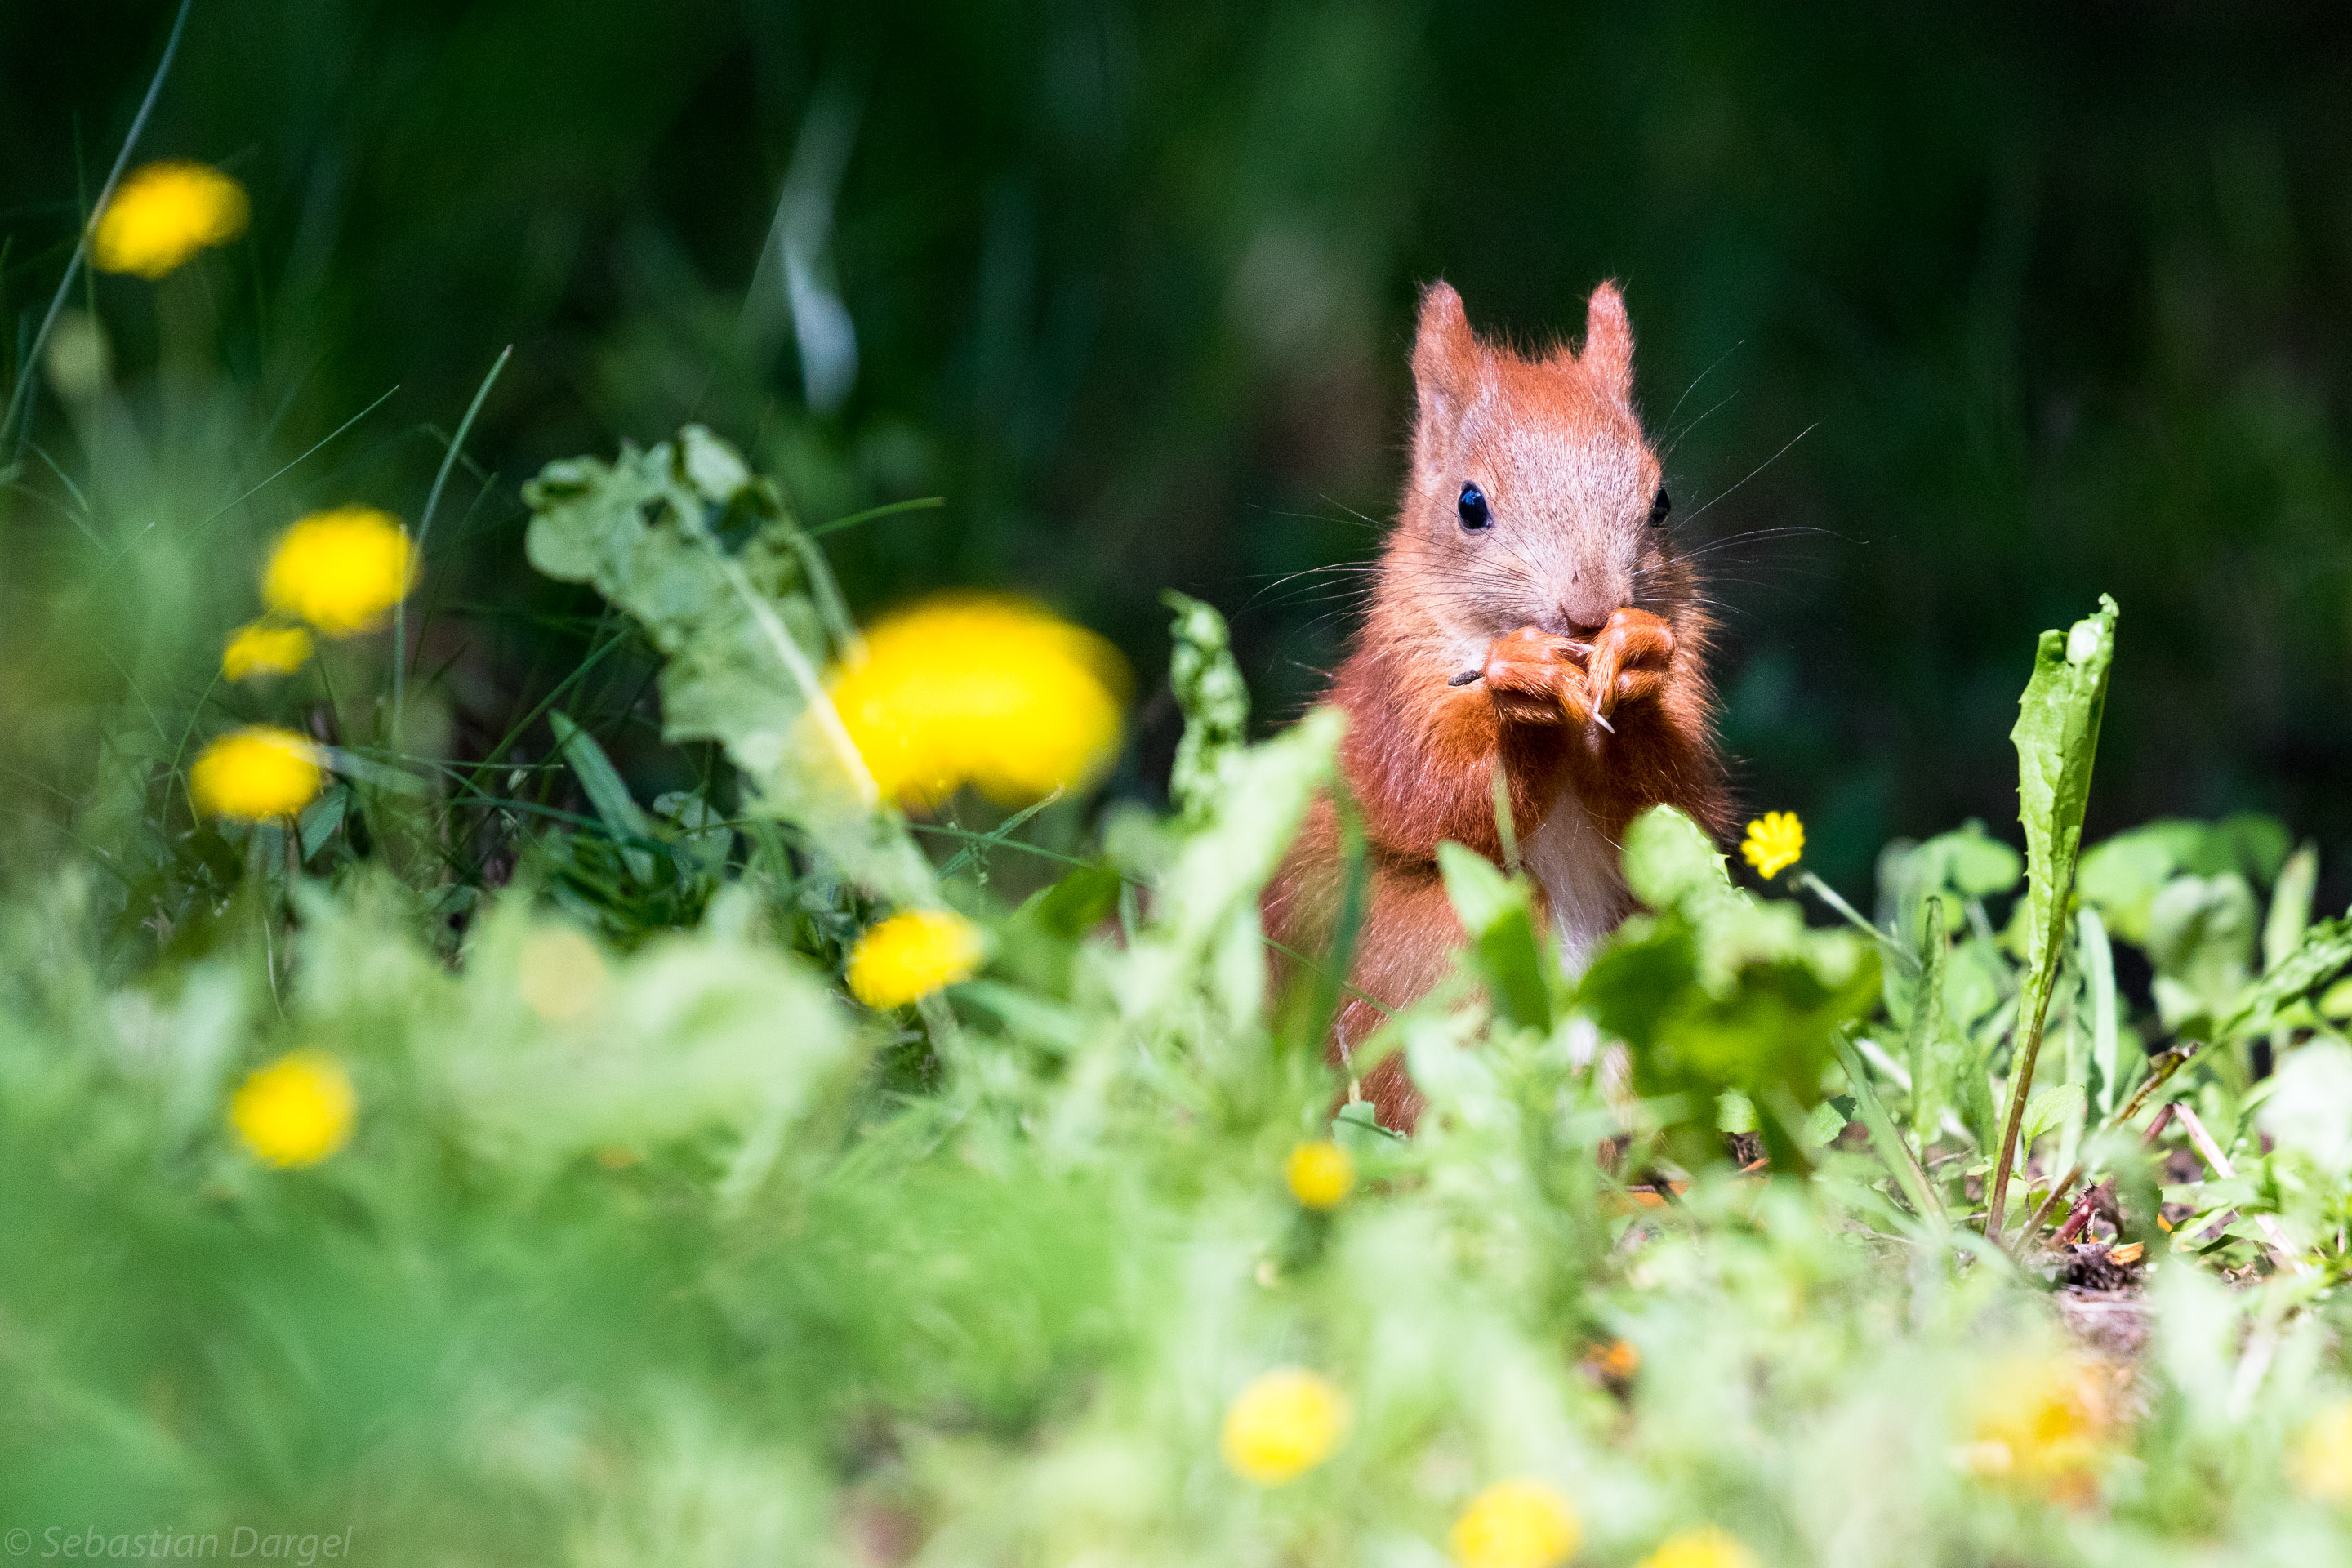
<point>606,791</point>
<point>2290,911</point>
<point>2056,736</point>
<point>1720,990</point>
<point>2309,1110</point>
<point>1078,903</point>
<point>1966,863</point>
<point>1338,959</point>
<point>2097,957</point>
<point>1670,861</point>
<point>1937,1055</point>
<point>1214,699</point>
<point>2051,1107</point>
<point>2322,953</point>
<point>2120,877</point>
<point>703,555</point>
<point>1224,866</point>
<point>1886,1137</point>
<point>2201,937</point>
<point>1504,946</point>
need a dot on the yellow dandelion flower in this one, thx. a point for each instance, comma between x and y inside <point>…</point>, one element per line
<point>343,571</point>
<point>256,773</point>
<point>296,1110</point>
<point>1321,1175</point>
<point>259,649</point>
<point>1774,842</point>
<point>912,954</point>
<point>2322,1462</point>
<point>981,690</point>
<point>1286,1423</point>
<point>2041,1423</point>
<point>163,214</point>
<point>1520,1523</point>
<point>1705,1547</point>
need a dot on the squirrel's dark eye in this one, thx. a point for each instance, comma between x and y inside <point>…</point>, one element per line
<point>1473,508</point>
<point>1661,504</point>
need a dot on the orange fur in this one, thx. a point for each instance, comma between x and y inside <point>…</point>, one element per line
<point>1570,605</point>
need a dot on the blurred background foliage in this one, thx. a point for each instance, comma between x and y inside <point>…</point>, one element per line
<point>2058,300</point>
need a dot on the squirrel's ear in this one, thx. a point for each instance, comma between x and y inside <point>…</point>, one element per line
<point>1608,356</point>
<point>1444,354</point>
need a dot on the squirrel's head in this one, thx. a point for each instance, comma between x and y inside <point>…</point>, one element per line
<point>1535,499</point>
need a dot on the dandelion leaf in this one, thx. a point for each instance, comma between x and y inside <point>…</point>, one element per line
<point>2056,736</point>
<point>702,554</point>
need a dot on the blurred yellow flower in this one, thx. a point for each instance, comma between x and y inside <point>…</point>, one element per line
<point>163,214</point>
<point>296,1110</point>
<point>1286,1423</point>
<point>1320,1173</point>
<point>259,649</point>
<point>992,692</point>
<point>341,571</point>
<point>2042,1422</point>
<point>561,974</point>
<point>1774,842</point>
<point>1520,1523</point>
<point>256,773</point>
<point>1617,1360</point>
<point>1705,1547</point>
<point>912,954</point>
<point>2322,1462</point>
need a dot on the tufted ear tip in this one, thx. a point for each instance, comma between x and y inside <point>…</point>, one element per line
<point>1444,351</point>
<point>1441,314</point>
<point>1608,356</point>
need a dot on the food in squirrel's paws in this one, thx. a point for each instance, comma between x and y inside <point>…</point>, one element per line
<point>1536,642</point>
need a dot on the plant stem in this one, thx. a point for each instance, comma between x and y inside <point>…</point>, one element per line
<point>2021,1084</point>
<point>2171,1062</point>
<point>16,414</point>
<point>1830,897</point>
<point>424,529</point>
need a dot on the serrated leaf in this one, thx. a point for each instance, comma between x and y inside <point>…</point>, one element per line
<point>687,540</point>
<point>2057,738</point>
<point>1214,698</point>
<point>2051,1107</point>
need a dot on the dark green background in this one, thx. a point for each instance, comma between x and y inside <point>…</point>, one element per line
<point>2060,299</point>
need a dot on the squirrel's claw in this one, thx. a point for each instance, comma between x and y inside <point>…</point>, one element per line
<point>1629,661</point>
<point>1535,679</point>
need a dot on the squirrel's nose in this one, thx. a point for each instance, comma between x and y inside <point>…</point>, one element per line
<point>1588,600</point>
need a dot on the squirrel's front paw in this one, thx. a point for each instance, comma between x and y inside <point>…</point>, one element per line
<point>1629,661</point>
<point>1535,678</point>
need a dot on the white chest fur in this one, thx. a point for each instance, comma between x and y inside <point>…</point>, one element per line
<point>1581,877</point>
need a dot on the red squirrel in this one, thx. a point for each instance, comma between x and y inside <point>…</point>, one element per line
<point>1530,613</point>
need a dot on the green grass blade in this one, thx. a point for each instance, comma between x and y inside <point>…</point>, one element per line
<point>1888,1138</point>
